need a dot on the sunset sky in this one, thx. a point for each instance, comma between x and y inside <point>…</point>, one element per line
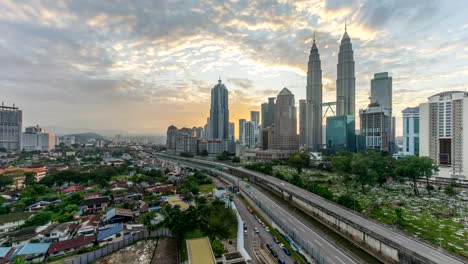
<point>140,66</point>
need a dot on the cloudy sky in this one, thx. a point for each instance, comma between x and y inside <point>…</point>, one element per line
<point>140,66</point>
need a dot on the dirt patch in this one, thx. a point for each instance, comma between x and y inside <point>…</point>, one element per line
<point>139,253</point>
<point>166,251</point>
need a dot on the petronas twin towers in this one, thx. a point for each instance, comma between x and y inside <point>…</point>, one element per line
<point>345,90</point>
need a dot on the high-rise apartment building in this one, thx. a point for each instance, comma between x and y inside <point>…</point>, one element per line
<point>443,135</point>
<point>219,112</point>
<point>302,122</point>
<point>313,137</point>
<point>376,127</point>
<point>346,81</point>
<point>268,113</point>
<point>411,131</point>
<point>248,134</point>
<point>11,119</point>
<point>241,131</point>
<point>285,135</point>
<point>36,139</point>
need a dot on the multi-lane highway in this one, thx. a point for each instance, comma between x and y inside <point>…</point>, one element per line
<point>328,252</point>
<point>405,242</point>
<point>433,254</point>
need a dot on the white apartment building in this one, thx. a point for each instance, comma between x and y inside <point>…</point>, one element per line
<point>441,133</point>
<point>36,139</point>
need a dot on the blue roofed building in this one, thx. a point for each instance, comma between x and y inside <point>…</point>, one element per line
<point>32,252</point>
<point>112,234</point>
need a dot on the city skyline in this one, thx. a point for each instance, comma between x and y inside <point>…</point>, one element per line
<point>140,68</point>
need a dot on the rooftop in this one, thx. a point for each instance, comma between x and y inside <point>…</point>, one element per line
<point>199,251</point>
<point>34,248</point>
<point>175,200</point>
<point>71,243</point>
<point>13,217</point>
<point>109,232</point>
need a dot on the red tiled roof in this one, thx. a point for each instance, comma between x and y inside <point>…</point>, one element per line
<point>71,243</point>
<point>161,188</point>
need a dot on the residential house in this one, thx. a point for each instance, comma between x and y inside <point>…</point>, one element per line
<point>160,189</point>
<point>33,252</point>
<point>60,232</point>
<point>118,215</point>
<point>70,245</point>
<point>93,205</point>
<point>5,254</point>
<point>73,189</point>
<point>89,225</point>
<point>9,222</point>
<point>41,205</point>
<point>110,234</point>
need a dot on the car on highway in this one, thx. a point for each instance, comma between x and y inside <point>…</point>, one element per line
<point>245,232</point>
<point>281,261</point>
<point>286,251</point>
<point>274,253</point>
<point>249,209</point>
<point>256,230</point>
<point>245,226</point>
<point>276,240</point>
<point>281,245</point>
<point>267,229</point>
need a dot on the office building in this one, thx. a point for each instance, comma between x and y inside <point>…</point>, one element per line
<point>219,112</point>
<point>207,129</point>
<point>36,139</point>
<point>11,119</point>
<point>231,131</point>
<point>346,81</point>
<point>411,131</point>
<point>314,101</point>
<point>255,117</point>
<point>267,137</point>
<point>285,135</point>
<point>443,135</point>
<point>340,133</point>
<point>381,94</point>
<point>381,91</point>
<point>268,113</point>
<point>302,122</point>
<point>376,127</point>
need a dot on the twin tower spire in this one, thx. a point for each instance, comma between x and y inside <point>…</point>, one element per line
<point>345,90</point>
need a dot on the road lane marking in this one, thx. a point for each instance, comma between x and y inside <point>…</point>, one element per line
<point>340,260</point>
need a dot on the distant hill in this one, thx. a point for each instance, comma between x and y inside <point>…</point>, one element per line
<point>85,137</point>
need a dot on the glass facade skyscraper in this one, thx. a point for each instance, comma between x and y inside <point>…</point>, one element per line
<point>341,133</point>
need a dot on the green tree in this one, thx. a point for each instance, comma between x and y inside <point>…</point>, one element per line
<point>299,161</point>
<point>236,159</point>
<point>30,178</point>
<point>41,218</point>
<point>204,153</point>
<point>341,164</point>
<point>414,168</point>
<point>5,181</point>
<point>399,220</point>
<point>362,171</point>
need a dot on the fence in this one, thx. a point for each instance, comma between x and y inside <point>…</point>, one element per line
<point>112,247</point>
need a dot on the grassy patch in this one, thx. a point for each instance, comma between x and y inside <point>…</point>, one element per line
<point>275,233</point>
<point>120,177</point>
<point>206,188</point>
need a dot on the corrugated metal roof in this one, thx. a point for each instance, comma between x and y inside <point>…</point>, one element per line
<point>109,232</point>
<point>34,248</point>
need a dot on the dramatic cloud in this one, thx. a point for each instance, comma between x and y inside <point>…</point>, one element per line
<point>140,66</point>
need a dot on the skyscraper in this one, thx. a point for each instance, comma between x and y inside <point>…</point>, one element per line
<point>11,119</point>
<point>268,113</point>
<point>219,112</point>
<point>255,117</point>
<point>345,82</point>
<point>381,90</point>
<point>231,131</point>
<point>285,135</point>
<point>302,122</point>
<point>314,101</point>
